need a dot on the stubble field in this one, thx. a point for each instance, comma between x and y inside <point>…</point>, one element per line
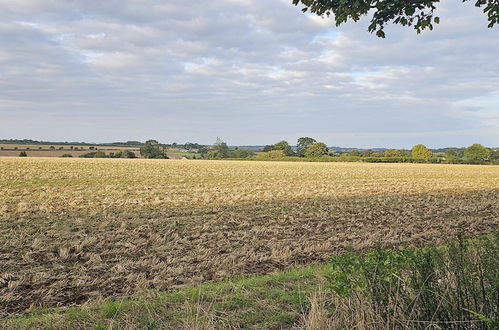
<point>78,229</point>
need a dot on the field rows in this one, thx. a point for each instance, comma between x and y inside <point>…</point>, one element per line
<point>79,229</point>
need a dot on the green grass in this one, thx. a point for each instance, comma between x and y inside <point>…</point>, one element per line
<point>268,301</point>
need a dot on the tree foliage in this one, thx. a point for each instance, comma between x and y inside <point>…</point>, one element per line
<point>393,153</point>
<point>153,149</point>
<point>316,150</point>
<point>477,152</point>
<point>420,151</point>
<point>303,143</point>
<point>416,13</point>
<point>220,150</point>
<point>240,153</point>
<point>269,155</point>
<point>285,147</point>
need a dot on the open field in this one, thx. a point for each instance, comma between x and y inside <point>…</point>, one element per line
<point>56,150</point>
<point>78,229</point>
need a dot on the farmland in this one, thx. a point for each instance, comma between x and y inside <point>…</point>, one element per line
<point>78,229</point>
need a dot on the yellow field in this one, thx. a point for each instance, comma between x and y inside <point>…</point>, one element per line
<point>75,229</point>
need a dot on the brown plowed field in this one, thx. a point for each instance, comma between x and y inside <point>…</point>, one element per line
<point>79,229</point>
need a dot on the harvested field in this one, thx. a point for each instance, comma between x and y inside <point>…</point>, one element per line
<point>78,229</point>
<point>57,150</point>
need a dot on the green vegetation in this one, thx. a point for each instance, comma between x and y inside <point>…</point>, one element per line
<point>477,152</point>
<point>302,144</point>
<point>153,149</point>
<point>282,146</point>
<point>420,151</point>
<point>317,149</point>
<point>23,154</point>
<point>416,13</point>
<point>219,151</point>
<point>449,287</point>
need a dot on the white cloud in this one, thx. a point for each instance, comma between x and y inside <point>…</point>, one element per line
<point>223,65</point>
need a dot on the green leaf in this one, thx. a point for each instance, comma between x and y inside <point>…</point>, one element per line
<point>409,11</point>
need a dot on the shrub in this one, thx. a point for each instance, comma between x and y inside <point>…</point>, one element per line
<point>67,155</point>
<point>271,155</point>
<point>451,287</point>
<point>23,154</point>
<point>100,154</point>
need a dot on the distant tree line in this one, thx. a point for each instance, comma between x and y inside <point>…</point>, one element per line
<point>102,154</point>
<point>309,149</point>
<point>306,149</point>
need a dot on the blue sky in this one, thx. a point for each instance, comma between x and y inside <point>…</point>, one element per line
<point>249,71</point>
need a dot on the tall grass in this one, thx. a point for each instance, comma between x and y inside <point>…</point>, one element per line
<point>451,287</point>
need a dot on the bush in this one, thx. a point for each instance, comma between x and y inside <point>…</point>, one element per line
<point>100,154</point>
<point>451,287</point>
<point>271,155</point>
<point>23,154</point>
<point>95,154</point>
<point>67,155</point>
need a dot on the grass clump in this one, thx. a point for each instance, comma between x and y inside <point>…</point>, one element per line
<point>450,287</point>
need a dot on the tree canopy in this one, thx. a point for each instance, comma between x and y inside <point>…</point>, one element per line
<point>303,143</point>
<point>153,149</point>
<point>220,150</point>
<point>416,13</point>
<point>316,150</point>
<point>477,152</point>
<point>420,151</point>
<point>281,145</point>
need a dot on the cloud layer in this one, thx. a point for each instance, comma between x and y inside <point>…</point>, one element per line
<point>252,72</point>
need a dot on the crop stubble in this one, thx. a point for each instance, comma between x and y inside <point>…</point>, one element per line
<point>79,229</point>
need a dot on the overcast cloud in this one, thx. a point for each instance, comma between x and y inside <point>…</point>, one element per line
<point>250,71</point>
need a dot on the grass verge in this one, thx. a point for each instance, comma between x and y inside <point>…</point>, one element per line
<point>455,286</point>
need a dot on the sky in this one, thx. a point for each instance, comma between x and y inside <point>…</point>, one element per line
<point>252,72</point>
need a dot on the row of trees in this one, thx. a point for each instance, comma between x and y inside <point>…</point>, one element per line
<point>310,148</point>
<point>475,152</point>
<point>102,154</point>
<point>306,147</point>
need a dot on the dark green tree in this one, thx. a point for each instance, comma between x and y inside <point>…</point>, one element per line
<point>23,154</point>
<point>240,153</point>
<point>302,144</point>
<point>451,155</point>
<point>477,152</point>
<point>416,13</point>
<point>153,149</point>
<point>268,148</point>
<point>285,147</point>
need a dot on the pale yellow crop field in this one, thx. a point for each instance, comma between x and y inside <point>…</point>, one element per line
<point>77,229</point>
